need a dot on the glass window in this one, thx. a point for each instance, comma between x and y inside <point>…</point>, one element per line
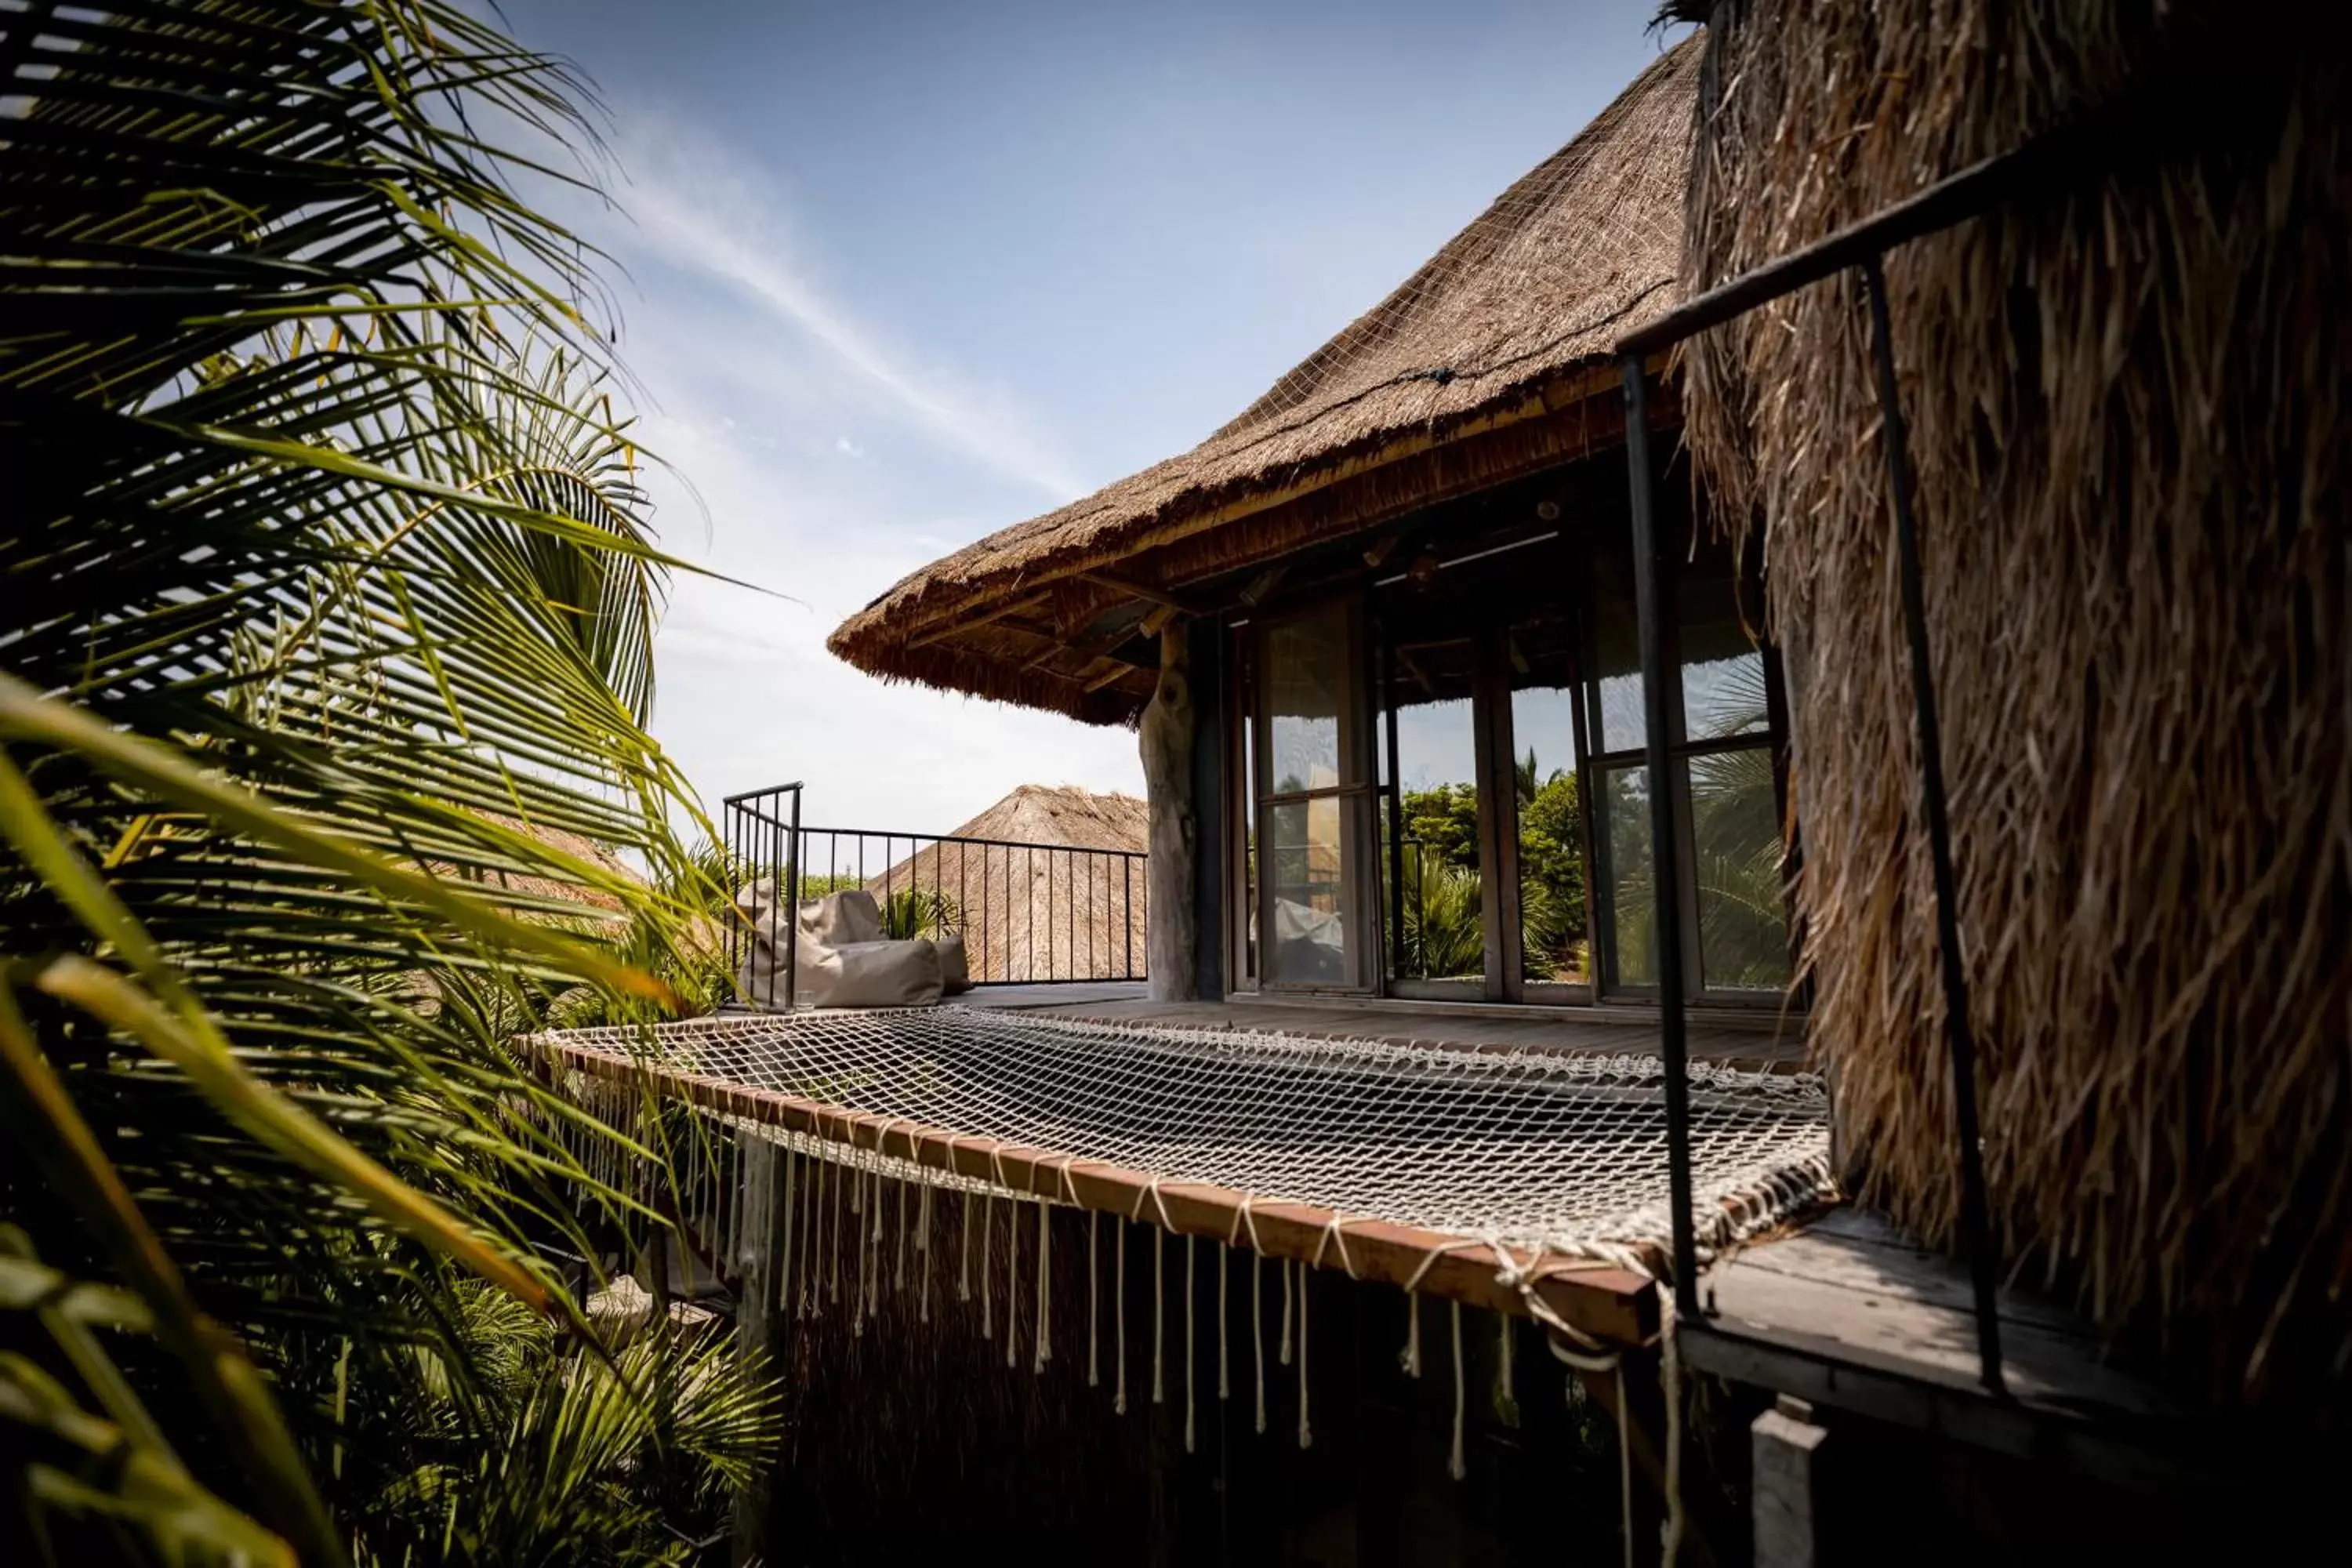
<point>1544,787</point>
<point>1306,667</point>
<point>1622,826</point>
<point>1743,935</point>
<point>1306,871</point>
<point>1617,720</point>
<point>1723,673</point>
<point>1435,857</point>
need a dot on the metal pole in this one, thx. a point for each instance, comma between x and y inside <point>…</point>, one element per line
<point>1975,1225</point>
<point>1652,606</point>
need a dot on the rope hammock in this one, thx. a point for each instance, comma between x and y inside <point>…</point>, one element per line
<point>1524,1182</point>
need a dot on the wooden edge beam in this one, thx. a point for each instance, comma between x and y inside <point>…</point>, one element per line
<point>980,619</point>
<point>1613,1306</point>
<point>1134,590</point>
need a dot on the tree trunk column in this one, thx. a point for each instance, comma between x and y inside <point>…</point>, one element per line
<point>1172,918</point>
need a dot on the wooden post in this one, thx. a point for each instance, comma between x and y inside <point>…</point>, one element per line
<point>1786,1490</point>
<point>1172,925</point>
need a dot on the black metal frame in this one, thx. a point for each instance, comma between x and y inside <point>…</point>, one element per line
<point>765,838</point>
<point>1860,248</point>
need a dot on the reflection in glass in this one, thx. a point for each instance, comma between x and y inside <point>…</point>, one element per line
<point>1617,720</point>
<point>1307,661</point>
<point>1436,861</point>
<point>1305,873</point>
<point>1551,838</point>
<point>1622,828</point>
<point>1743,935</point>
<point>1723,674</point>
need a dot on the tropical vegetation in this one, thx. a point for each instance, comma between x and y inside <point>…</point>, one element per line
<point>332,593</point>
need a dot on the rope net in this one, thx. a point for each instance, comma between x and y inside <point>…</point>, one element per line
<point>1540,1152</point>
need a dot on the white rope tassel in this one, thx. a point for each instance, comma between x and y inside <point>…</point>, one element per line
<point>839,1180</point>
<point>1285,1313</point>
<point>1411,1360</point>
<point>1011,1281</point>
<point>899,1271</point>
<point>1189,1339</point>
<point>923,1246</point>
<point>963,1252</point>
<point>1506,1396</point>
<point>1454,1466</point>
<point>1159,1314</point>
<point>1224,1376</point>
<point>1306,1433</point>
<point>784,1254</point>
<point>987,1251</point>
<point>1044,1283</point>
<point>1118,1404</point>
<point>1257,1330</point>
<point>1094,1288</point>
<point>873,1252</point>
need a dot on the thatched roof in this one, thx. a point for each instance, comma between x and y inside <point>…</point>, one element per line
<point>2128,411</point>
<point>1027,913</point>
<point>1502,327</point>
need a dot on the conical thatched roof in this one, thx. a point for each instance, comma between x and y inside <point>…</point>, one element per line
<point>1026,912</point>
<point>1502,328</point>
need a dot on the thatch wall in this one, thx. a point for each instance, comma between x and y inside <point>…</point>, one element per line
<point>1029,913</point>
<point>1496,331</point>
<point>2127,410</point>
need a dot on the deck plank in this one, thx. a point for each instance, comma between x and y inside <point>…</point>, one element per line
<point>1851,1285</point>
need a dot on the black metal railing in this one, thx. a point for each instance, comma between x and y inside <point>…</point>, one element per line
<point>1027,913</point>
<point>2047,162</point>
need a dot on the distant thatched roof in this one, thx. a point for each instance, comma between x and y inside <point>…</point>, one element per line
<point>1502,327</point>
<point>1027,913</point>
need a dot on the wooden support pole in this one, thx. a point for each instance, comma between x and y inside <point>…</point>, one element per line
<point>1785,1493</point>
<point>1171,917</point>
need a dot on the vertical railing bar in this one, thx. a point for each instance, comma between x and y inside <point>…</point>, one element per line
<point>1960,1040</point>
<point>1666,880</point>
<point>790,936</point>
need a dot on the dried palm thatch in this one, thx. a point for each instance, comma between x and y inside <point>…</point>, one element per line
<point>1026,912</point>
<point>1501,328</point>
<point>2127,408</point>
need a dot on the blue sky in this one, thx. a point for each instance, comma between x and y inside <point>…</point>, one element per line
<point>896,274</point>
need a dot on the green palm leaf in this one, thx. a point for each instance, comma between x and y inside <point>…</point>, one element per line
<point>339,595</point>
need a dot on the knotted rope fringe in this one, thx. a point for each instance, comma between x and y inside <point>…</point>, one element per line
<point>963,1252</point>
<point>1411,1358</point>
<point>1609,1364</point>
<point>1257,1330</point>
<point>1158,1305</point>
<point>784,1253</point>
<point>1119,1405</point>
<point>1044,1286</point>
<point>1306,1433</point>
<point>1189,1340</point>
<point>923,1246</point>
<point>1094,1287</point>
<point>1012,1284</point>
<point>1454,1466</point>
<point>1225,1383</point>
<point>987,1252</point>
<point>1285,1355</point>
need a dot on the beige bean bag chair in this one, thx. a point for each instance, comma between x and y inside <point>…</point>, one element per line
<point>844,959</point>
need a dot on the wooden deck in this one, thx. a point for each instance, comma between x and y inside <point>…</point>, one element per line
<point>1849,1282</point>
<point>1757,1040</point>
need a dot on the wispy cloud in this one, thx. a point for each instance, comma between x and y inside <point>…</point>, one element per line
<point>699,207</point>
<point>847,448</point>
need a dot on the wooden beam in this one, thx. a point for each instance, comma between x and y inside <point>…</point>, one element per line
<point>995,613</point>
<point>1135,590</point>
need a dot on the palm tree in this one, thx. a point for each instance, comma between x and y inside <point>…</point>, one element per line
<point>332,591</point>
